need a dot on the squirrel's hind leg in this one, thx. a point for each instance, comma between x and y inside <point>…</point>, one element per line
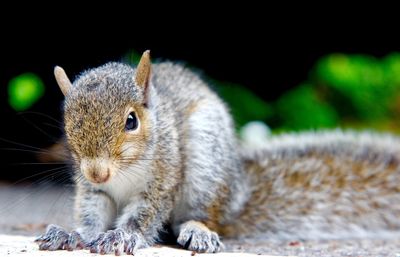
<point>212,168</point>
<point>195,236</point>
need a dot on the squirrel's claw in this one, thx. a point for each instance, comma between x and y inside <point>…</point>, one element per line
<point>135,242</point>
<point>57,238</point>
<point>117,241</point>
<point>54,238</point>
<point>75,242</point>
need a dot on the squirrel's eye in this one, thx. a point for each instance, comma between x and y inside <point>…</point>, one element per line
<point>131,122</point>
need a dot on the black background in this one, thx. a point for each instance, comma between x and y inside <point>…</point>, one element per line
<point>266,55</point>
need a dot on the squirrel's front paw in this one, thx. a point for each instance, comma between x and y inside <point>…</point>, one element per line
<point>57,238</point>
<point>117,241</point>
<point>195,236</point>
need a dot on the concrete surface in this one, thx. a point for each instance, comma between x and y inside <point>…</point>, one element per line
<point>24,246</point>
<point>27,210</point>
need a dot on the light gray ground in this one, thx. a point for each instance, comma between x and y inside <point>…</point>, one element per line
<point>26,210</point>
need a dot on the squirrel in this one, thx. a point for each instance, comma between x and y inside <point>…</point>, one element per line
<point>150,146</point>
<point>153,146</point>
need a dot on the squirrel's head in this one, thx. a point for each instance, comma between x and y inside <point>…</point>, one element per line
<point>106,117</point>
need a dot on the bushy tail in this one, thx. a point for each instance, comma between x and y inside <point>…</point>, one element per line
<point>322,185</point>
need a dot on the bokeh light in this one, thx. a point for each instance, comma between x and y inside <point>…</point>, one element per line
<point>24,90</point>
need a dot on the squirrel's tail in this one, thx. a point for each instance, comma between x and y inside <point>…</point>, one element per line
<point>322,185</point>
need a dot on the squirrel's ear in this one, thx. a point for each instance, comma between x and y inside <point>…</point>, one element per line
<point>62,80</point>
<point>143,71</point>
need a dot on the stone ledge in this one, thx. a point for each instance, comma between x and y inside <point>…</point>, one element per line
<point>24,246</point>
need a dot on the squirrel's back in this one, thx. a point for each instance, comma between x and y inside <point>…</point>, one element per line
<point>182,89</point>
<point>177,81</point>
<point>323,185</point>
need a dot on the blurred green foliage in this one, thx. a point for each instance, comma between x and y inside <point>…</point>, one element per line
<point>349,91</point>
<point>244,105</point>
<point>24,90</point>
<point>303,108</point>
<point>132,57</point>
<point>364,91</point>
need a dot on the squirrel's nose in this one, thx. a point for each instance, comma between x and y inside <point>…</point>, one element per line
<point>97,176</point>
<point>94,172</point>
